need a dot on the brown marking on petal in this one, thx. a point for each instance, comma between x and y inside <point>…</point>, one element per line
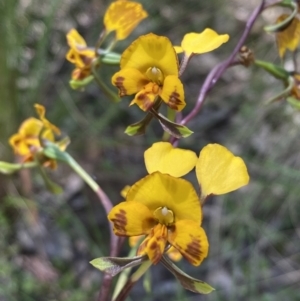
<point>120,222</point>
<point>193,248</point>
<point>153,245</point>
<point>119,84</point>
<point>174,100</point>
<point>147,103</point>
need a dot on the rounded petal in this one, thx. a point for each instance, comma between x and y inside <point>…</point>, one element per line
<point>163,157</point>
<point>205,41</point>
<point>30,127</point>
<point>162,190</point>
<point>190,240</point>
<point>155,243</point>
<point>151,51</point>
<point>146,98</point>
<point>219,171</point>
<point>129,81</point>
<point>172,93</point>
<point>75,40</point>
<point>131,219</point>
<point>123,16</point>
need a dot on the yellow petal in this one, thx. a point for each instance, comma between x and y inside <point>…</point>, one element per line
<point>205,41</point>
<point>219,171</point>
<point>155,243</point>
<point>75,40</point>
<point>123,16</point>
<point>174,254</point>
<point>131,219</point>
<point>288,38</point>
<point>145,99</point>
<point>41,111</point>
<point>19,145</point>
<point>151,51</point>
<point>129,81</point>
<point>190,240</point>
<point>124,191</point>
<point>133,240</point>
<point>165,158</point>
<point>172,93</point>
<point>31,127</point>
<point>178,49</point>
<point>161,190</point>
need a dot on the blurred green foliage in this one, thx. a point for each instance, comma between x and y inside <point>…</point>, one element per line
<point>253,233</point>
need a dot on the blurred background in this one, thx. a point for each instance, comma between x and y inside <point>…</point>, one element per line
<point>47,241</point>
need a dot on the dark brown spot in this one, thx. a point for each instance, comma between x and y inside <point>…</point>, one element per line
<point>146,100</point>
<point>120,222</point>
<point>174,100</point>
<point>153,245</point>
<point>119,84</point>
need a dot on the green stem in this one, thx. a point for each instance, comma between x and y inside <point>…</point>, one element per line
<point>108,92</point>
<point>124,275</point>
<point>101,39</point>
<point>171,114</point>
<point>133,279</point>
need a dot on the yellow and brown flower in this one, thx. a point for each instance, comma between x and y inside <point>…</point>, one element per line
<point>149,69</point>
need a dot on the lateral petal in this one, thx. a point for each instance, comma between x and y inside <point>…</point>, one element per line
<point>190,240</point>
<point>129,81</point>
<point>131,219</point>
<point>173,93</point>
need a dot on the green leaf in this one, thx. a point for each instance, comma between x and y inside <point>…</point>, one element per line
<point>174,129</point>
<point>139,128</point>
<point>115,265</point>
<point>188,282</point>
<point>9,168</point>
<point>273,69</point>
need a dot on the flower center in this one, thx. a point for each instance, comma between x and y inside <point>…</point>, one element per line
<point>155,75</point>
<point>164,216</point>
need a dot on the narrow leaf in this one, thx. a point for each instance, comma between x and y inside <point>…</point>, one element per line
<point>115,265</point>
<point>188,282</point>
<point>174,129</point>
<point>294,102</point>
<point>273,69</point>
<point>139,128</point>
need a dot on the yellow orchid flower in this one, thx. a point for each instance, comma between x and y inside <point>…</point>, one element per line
<point>168,211</point>
<point>218,171</point>
<point>149,69</point>
<point>123,16</point>
<point>27,142</point>
<point>79,55</point>
<point>197,43</point>
<point>289,37</point>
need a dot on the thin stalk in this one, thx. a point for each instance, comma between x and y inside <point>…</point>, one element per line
<point>108,92</point>
<point>132,280</point>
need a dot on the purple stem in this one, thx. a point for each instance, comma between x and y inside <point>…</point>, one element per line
<point>218,70</point>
